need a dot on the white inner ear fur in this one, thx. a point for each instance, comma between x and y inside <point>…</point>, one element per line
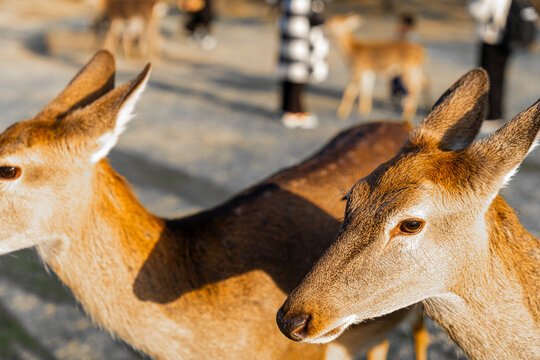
<point>514,170</point>
<point>536,142</point>
<point>508,177</point>
<point>107,141</point>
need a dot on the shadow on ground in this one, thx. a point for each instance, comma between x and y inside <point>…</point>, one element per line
<point>144,173</point>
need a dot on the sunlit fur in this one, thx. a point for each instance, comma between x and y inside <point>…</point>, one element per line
<point>134,25</point>
<point>205,286</point>
<point>370,58</point>
<point>474,267</point>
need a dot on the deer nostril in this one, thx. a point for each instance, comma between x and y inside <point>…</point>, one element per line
<point>295,327</point>
<point>298,326</point>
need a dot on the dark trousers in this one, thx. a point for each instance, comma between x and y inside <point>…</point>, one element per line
<point>200,19</point>
<point>493,59</point>
<point>291,96</point>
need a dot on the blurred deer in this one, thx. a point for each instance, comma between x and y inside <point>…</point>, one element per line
<point>367,59</point>
<point>134,25</point>
<point>429,226</point>
<point>205,286</point>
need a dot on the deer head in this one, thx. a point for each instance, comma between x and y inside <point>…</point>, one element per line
<point>413,225</point>
<point>47,163</point>
<point>342,24</point>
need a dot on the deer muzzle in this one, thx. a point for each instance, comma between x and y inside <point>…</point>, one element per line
<point>304,326</point>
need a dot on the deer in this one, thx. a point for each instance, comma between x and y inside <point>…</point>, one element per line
<point>368,59</point>
<point>134,25</point>
<point>203,286</point>
<point>429,226</point>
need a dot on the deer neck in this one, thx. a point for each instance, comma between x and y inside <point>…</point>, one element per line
<point>102,254</point>
<point>494,310</point>
<point>110,224</point>
<point>347,42</point>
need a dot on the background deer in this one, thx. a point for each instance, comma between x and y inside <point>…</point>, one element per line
<point>134,25</point>
<point>370,58</point>
<point>201,287</point>
<point>429,226</point>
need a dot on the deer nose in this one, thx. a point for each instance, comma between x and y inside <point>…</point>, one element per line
<point>294,327</point>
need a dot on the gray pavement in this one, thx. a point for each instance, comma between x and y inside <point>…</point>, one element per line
<point>207,127</point>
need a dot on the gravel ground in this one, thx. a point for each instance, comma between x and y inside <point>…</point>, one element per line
<point>207,127</point>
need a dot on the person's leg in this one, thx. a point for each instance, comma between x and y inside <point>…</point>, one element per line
<point>493,59</point>
<point>291,97</point>
<point>206,15</point>
<point>191,23</point>
<point>199,26</point>
<point>199,19</point>
<point>503,52</point>
<point>294,63</point>
<point>293,111</point>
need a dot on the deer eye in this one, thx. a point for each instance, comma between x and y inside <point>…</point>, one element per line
<point>10,172</point>
<point>411,226</point>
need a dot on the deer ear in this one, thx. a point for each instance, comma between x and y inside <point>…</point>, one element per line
<point>100,124</point>
<point>456,117</point>
<point>500,155</point>
<point>94,80</point>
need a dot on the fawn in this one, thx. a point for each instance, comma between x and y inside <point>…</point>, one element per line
<point>134,24</point>
<point>429,226</point>
<point>369,58</point>
<point>205,286</point>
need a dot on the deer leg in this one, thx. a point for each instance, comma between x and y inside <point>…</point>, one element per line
<point>112,37</point>
<point>421,338</point>
<point>146,44</point>
<point>146,38</point>
<point>127,42</point>
<point>379,351</point>
<point>152,41</point>
<point>143,45</point>
<point>427,98</point>
<point>347,101</point>
<point>133,38</point>
<point>367,85</point>
<point>152,35</point>
<point>412,79</point>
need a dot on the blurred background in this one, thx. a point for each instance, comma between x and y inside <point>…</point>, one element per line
<point>210,124</point>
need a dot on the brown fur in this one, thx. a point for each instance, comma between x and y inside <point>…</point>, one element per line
<point>516,254</point>
<point>367,59</point>
<point>205,286</point>
<point>134,24</point>
<point>476,269</point>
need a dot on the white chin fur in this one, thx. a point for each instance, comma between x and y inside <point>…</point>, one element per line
<point>335,331</point>
<point>324,339</point>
